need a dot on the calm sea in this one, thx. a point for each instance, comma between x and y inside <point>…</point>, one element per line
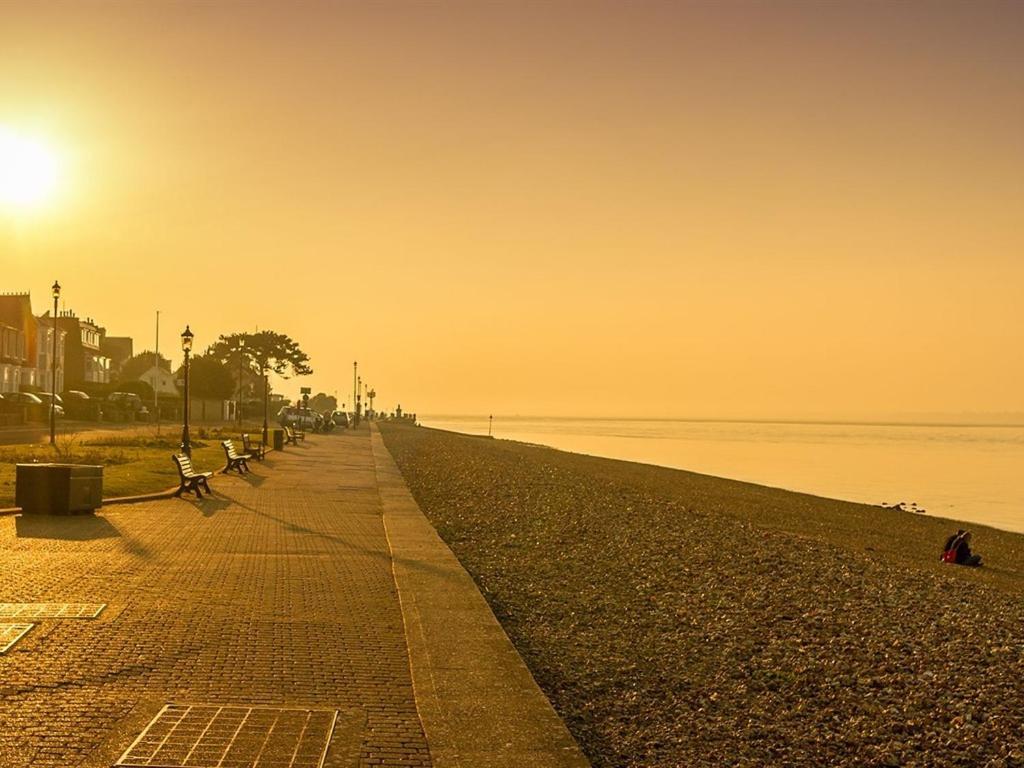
<point>973,473</point>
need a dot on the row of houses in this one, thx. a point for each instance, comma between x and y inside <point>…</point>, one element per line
<point>85,353</point>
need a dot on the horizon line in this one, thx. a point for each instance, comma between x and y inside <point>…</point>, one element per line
<point>720,420</point>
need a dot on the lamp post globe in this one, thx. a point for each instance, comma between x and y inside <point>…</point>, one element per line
<point>55,289</point>
<point>186,347</point>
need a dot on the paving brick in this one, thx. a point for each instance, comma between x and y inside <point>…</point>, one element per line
<point>276,591</point>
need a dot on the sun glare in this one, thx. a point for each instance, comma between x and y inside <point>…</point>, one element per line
<point>28,170</point>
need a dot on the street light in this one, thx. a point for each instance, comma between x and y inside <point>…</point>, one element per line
<point>266,404</point>
<point>359,401</point>
<point>53,369</point>
<point>186,347</point>
<point>241,352</point>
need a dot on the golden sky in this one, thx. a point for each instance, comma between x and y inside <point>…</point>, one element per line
<point>735,209</point>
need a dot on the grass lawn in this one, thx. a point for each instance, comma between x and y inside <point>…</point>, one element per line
<point>134,462</point>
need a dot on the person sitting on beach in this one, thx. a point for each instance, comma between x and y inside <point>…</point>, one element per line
<point>958,550</point>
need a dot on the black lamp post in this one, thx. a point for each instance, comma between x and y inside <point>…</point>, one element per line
<point>186,347</point>
<point>266,404</point>
<point>359,399</point>
<point>241,353</point>
<point>53,369</point>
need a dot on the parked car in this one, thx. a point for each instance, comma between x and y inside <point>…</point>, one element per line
<point>340,419</point>
<point>78,405</point>
<point>123,404</point>
<point>22,398</point>
<point>37,407</point>
<point>45,398</point>
<point>302,418</point>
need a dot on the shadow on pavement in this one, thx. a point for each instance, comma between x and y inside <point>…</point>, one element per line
<point>67,527</point>
<point>210,505</point>
<point>373,552</point>
<point>254,480</point>
<point>76,528</point>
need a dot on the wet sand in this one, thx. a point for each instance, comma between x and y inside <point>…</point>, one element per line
<point>680,619</point>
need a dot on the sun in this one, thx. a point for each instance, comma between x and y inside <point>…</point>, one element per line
<point>28,170</point>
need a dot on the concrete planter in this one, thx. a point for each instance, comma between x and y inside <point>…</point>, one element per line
<point>58,489</point>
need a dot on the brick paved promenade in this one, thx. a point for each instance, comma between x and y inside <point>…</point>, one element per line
<point>278,591</point>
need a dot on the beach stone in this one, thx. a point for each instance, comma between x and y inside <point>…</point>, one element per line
<point>677,619</point>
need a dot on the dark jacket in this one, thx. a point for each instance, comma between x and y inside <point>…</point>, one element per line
<point>963,549</point>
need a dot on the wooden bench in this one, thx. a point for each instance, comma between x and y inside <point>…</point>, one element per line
<point>239,461</point>
<point>256,450</point>
<point>293,435</point>
<point>190,479</point>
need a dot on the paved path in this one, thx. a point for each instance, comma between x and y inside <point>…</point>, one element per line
<point>479,704</point>
<point>279,591</point>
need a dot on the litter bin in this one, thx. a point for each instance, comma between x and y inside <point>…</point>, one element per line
<point>277,439</point>
<point>58,489</point>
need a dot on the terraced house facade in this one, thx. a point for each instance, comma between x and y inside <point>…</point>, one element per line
<point>84,358</point>
<point>26,348</point>
<point>17,349</point>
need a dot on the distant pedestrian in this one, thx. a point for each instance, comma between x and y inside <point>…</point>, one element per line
<point>958,550</point>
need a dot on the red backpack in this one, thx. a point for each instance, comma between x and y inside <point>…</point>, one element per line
<point>949,556</point>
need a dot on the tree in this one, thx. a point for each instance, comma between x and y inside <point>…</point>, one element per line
<point>321,402</point>
<point>135,366</point>
<point>264,351</point>
<point>209,378</point>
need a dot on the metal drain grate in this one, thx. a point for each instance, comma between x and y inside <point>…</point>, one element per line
<point>211,736</point>
<point>50,610</point>
<point>12,633</point>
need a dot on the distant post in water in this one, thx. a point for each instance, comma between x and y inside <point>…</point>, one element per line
<point>186,347</point>
<point>490,425</point>
<point>53,369</point>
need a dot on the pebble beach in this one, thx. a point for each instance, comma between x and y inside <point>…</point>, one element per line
<point>680,619</point>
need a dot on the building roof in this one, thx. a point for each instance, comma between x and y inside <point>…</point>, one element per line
<point>15,309</point>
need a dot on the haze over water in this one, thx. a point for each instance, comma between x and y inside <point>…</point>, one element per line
<point>970,473</point>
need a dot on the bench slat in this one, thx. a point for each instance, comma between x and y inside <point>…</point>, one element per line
<point>190,479</point>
